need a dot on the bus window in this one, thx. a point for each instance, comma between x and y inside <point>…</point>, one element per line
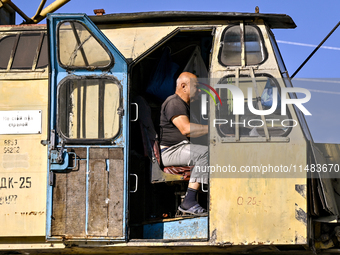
<point>26,51</point>
<point>6,46</point>
<point>230,51</point>
<point>78,48</point>
<point>82,106</point>
<point>250,124</point>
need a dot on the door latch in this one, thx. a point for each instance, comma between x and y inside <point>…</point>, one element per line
<point>120,111</point>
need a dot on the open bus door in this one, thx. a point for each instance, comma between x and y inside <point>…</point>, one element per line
<point>87,155</point>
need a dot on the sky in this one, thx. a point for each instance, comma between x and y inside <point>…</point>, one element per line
<point>314,20</point>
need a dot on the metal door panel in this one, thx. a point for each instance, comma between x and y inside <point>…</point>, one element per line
<point>87,191</point>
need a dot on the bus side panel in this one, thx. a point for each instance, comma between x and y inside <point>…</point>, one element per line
<point>23,159</point>
<point>262,199</point>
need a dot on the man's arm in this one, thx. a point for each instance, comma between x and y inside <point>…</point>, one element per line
<point>189,129</point>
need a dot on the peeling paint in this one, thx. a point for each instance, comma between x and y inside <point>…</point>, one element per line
<point>301,189</point>
<point>299,239</point>
<point>300,214</point>
<point>213,236</point>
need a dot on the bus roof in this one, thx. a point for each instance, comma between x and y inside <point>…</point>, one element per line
<point>272,20</point>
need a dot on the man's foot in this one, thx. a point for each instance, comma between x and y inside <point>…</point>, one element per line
<point>195,210</point>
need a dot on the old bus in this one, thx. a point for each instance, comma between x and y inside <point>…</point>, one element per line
<point>79,115</point>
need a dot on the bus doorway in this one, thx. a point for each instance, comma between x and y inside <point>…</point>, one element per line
<point>153,208</point>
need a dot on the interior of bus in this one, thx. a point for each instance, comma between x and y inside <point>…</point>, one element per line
<point>158,202</point>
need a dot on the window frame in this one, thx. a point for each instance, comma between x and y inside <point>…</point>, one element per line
<point>277,54</point>
<point>89,141</point>
<point>90,68</point>
<point>265,52</point>
<point>43,36</point>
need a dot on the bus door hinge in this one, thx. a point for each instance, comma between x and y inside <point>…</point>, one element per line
<point>120,111</point>
<point>51,178</point>
<point>52,139</point>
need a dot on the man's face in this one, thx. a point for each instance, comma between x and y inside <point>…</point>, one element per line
<point>194,91</point>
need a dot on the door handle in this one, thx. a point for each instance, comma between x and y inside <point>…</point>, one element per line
<point>136,186</point>
<point>204,190</point>
<point>136,112</point>
<point>55,162</point>
<point>75,161</point>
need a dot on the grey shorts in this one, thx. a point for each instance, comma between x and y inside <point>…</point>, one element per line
<point>188,154</point>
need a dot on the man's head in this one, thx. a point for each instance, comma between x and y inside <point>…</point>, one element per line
<point>187,87</point>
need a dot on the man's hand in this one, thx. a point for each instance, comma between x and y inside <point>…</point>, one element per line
<point>189,129</point>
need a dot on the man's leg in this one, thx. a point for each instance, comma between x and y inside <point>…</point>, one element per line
<point>188,154</point>
<point>190,198</point>
<point>194,185</point>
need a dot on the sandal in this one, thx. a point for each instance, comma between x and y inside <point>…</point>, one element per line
<point>195,210</point>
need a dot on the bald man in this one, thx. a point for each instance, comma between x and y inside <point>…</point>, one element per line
<point>176,130</point>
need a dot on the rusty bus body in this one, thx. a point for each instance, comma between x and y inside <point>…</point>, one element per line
<point>74,178</point>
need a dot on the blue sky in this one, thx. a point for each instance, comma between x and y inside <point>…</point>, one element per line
<point>314,20</point>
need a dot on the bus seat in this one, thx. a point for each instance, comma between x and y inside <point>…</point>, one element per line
<point>152,150</point>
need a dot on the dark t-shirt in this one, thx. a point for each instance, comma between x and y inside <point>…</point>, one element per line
<point>169,133</point>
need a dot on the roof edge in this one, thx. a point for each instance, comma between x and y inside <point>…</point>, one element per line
<point>273,20</point>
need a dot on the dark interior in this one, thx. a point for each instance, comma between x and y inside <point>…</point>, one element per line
<point>156,202</point>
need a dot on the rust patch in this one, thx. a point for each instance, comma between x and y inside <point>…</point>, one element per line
<point>30,213</point>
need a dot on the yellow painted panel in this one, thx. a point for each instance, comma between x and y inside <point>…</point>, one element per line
<point>246,208</point>
<point>133,41</point>
<point>256,211</point>
<point>23,162</point>
<point>251,208</point>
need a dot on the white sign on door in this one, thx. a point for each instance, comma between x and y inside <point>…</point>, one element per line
<point>20,122</point>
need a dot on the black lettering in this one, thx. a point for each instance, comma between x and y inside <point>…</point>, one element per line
<point>3,183</point>
<point>10,184</point>
<point>28,181</point>
<point>22,179</point>
<point>11,199</point>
